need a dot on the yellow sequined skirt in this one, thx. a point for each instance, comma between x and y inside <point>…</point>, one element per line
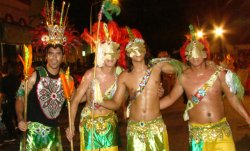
<point>147,136</point>
<point>211,137</point>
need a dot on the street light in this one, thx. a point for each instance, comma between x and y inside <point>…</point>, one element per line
<point>199,34</point>
<point>219,31</point>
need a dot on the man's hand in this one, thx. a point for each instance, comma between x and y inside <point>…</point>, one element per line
<point>161,91</point>
<point>23,126</point>
<point>71,134</point>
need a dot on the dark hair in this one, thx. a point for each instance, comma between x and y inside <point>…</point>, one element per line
<point>54,46</point>
<point>9,68</point>
<point>147,58</point>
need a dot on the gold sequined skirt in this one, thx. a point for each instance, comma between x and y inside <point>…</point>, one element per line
<point>147,136</point>
<point>209,132</point>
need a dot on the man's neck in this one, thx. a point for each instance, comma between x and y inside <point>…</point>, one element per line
<point>53,71</point>
<point>108,70</point>
<point>139,66</point>
<point>199,68</point>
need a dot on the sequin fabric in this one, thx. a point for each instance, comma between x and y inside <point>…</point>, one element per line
<point>209,132</point>
<point>42,138</point>
<point>103,130</point>
<point>51,97</point>
<point>145,136</point>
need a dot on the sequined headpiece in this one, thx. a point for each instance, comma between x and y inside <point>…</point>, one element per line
<point>55,27</point>
<point>107,42</point>
<point>194,47</point>
<point>135,42</point>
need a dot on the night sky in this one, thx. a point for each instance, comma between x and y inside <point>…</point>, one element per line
<point>163,23</point>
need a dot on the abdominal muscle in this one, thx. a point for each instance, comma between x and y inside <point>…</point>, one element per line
<point>207,111</point>
<point>145,107</point>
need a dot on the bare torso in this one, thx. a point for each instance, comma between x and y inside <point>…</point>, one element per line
<point>106,81</point>
<point>210,109</point>
<point>144,107</point>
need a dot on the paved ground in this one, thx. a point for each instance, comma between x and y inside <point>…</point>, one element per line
<point>177,129</point>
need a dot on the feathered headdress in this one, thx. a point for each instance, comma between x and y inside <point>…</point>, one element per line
<point>131,38</point>
<point>56,30</point>
<point>107,41</point>
<point>194,47</point>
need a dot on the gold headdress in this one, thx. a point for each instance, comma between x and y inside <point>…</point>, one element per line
<point>135,42</point>
<point>194,47</point>
<point>106,43</point>
<point>55,25</point>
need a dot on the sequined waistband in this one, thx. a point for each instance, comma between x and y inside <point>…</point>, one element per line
<point>146,126</point>
<point>144,130</point>
<point>38,128</point>
<point>209,132</point>
<point>99,121</point>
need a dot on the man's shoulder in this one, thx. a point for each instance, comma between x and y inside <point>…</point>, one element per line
<point>90,72</point>
<point>124,74</point>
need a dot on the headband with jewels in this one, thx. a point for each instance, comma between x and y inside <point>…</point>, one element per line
<point>56,24</point>
<point>107,44</point>
<point>134,41</point>
<point>194,47</point>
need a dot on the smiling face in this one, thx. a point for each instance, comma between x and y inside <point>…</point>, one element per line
<point>54,57</point>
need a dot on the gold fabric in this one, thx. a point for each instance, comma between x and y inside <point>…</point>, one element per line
<point>195,49</point>
<point>213,137</point>
<point>147,136</point>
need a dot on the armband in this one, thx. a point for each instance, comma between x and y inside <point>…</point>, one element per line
<point>20,91</point>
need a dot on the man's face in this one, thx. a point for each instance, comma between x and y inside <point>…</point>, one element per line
<point>136,50</point>
<point>196,61</point>
<point>110,62</point>
<point>54,57</point>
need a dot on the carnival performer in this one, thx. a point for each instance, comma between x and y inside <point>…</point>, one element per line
<point>45,94</point>
<point>204,83</point>
<point>146,129</point>
<point>99,83</point>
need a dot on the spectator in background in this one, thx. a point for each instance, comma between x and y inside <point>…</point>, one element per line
<point>9,86</point>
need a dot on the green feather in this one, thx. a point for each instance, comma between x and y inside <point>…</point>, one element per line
<point>110,9</point>
<point>240,89</point>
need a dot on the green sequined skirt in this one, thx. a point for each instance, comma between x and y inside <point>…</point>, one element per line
<point>42,138</point>
<point>103,132</point>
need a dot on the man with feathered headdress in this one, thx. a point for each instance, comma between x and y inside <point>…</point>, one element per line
<point>44,92</point>
<point>98,125</point>
<point>146,129</point>
<point>204,83</point>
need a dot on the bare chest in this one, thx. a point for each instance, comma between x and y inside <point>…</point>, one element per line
<point>142,83</point>
<point>192,85</point>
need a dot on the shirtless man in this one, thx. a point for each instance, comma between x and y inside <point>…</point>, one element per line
<point>146,129</point>
<point>105,130</point>
<point>203,83</point>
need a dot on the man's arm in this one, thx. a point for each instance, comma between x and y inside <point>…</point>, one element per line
<point>233,99</point>
<point>80,94</point>
<point>19,105</point>
<point>173,96</point>
<point>120,94</point>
